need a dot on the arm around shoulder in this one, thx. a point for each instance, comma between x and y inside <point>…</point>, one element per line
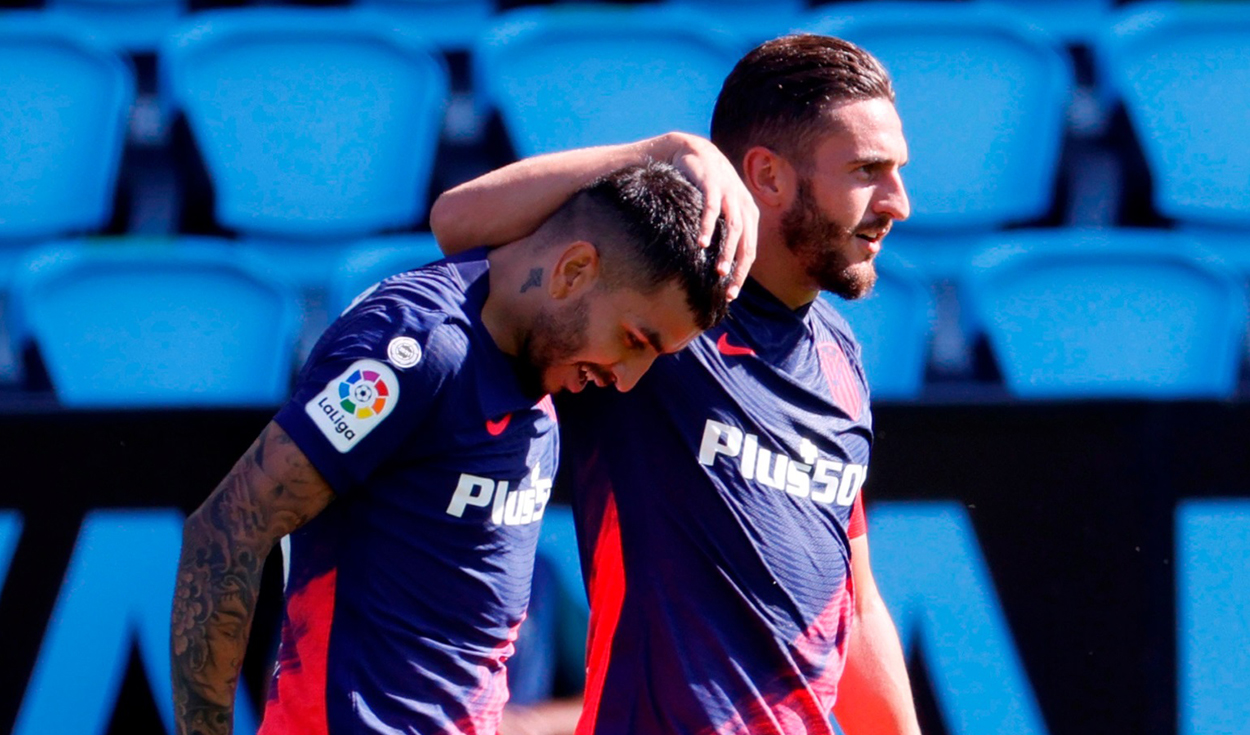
<point>272,490</point>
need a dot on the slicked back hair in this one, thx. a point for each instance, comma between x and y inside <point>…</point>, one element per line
<point>777,96</point>
<point>644,220</point>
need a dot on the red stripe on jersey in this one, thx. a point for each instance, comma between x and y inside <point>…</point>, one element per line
<point>297,699</point>
<point>607,594</point>
<point>858,525</point>
<point>843,381</point>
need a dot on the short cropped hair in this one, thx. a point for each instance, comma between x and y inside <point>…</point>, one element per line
<point>645,220</point>
<point>777,96</point>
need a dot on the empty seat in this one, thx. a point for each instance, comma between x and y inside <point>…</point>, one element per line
<point>447,24</point>
<point>1071,21</point>
<point>1108,314</point>
<point>368,262</point>
<point>982,95</point>
<point>575,76</point>
<point>134,325</point>
<point>1183,73</point>
<point>755,21</point>
<point>893,325</point>
<point>314,124</point>
<point>64,102</point>
<point>137,26</point>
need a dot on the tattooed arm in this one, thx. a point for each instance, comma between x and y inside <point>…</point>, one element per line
<point>271,491</point>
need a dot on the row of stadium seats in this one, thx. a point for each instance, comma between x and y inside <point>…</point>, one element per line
<point>322,125</point>
<point>319,127</point>
<point>1081,313</point>
<point>139,25</point>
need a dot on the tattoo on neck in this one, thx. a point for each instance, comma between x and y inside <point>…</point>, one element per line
<point>534,280</point>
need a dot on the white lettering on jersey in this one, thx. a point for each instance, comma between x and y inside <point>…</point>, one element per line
<point>354,403</point>
<point>508,508</point>
<point>820,479</point>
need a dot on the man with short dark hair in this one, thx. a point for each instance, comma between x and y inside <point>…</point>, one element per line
<point>414,461</point>
<point>719,510</point>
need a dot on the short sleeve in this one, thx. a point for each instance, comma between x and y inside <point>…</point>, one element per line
<point>371,383</point>
<point>858,525</point>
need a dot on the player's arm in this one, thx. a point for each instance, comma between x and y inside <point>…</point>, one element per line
<point>271,491</point>
<point>510,203</point>
<point>874,695</point>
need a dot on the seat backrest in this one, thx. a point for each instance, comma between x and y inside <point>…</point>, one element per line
<point>568,77</point>
<point>1183,73</point>
<point>121,325</point>
<point>64,103</point>
<point>313,123</point>
<point>893,324</point>
<point>366,263</point>
<point>1109,313</point>
<point>982,95</point>
<point>446,24</point>
<point>131,25</point>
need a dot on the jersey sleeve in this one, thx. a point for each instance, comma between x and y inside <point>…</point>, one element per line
<point>858,525</point>
<point>372,381</point>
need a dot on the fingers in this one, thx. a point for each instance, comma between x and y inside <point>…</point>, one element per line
<point>744,254</point>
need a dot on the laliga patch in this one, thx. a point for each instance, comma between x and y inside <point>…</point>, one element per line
<point>354,403</point>
<point>403,352</point>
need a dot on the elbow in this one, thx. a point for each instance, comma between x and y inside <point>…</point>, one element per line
<point>442,218</point>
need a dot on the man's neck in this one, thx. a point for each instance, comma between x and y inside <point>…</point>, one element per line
<point>505,311</point>
<point>780,273</point>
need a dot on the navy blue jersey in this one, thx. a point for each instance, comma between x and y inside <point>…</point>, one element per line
<point>404,595</point>
<point>715,507</point>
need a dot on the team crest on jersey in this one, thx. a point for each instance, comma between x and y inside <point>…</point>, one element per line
<point>842,379</point>
<point>354,403</point>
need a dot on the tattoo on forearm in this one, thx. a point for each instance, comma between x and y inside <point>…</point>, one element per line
<point>271,491</point>
<point>534,280</point>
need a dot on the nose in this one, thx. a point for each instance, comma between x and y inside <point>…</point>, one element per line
<point>628,372</point>
<point>892,198</point>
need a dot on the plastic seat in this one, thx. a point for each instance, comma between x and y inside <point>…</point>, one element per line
<point>753,20</point>
<point>137,26</point>
<point>574,76</point>
<point>447,24</point>
<point>368,262</point>
<point>1109,314</point>
<point>893,325</point>
<point>314,124</point>
<point>982,95</point>
<point>136,325</point>
<point>64,102</point>
<point>1183,73</point>
<point>1071,21</point>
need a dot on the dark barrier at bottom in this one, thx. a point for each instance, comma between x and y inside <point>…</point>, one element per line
<point>1033,557</point>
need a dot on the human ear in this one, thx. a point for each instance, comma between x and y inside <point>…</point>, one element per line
<point>769,176</point>
<point>576,271</point>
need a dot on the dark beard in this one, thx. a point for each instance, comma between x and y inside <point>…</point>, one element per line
<point>552,338</point>
<point>821,245</point>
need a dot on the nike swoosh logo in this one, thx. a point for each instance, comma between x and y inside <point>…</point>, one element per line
<point>725,348</point>
<point>495,428</point>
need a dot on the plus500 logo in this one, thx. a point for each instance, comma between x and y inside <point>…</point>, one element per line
<point>820,479</point>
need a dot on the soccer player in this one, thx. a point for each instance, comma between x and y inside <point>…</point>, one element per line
<point>719,508</point>
<point>413,463</point>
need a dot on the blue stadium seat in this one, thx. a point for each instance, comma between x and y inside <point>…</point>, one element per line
<point>1071,21</point>
<point>753,20</point>
<point>1109,314</point>
<point>446,24</point>
<point>1183,73</point>
<point>893,325</point>
<point>137,26</point>
<point>314,124</point>
<point>368,262</point>
<point>64,102</point>
<point>573,76</point>
<point>125,325</point>
<point>982,95</point>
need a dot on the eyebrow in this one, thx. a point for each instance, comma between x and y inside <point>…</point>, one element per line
<point>653,339</point>
<point>876,161</point>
